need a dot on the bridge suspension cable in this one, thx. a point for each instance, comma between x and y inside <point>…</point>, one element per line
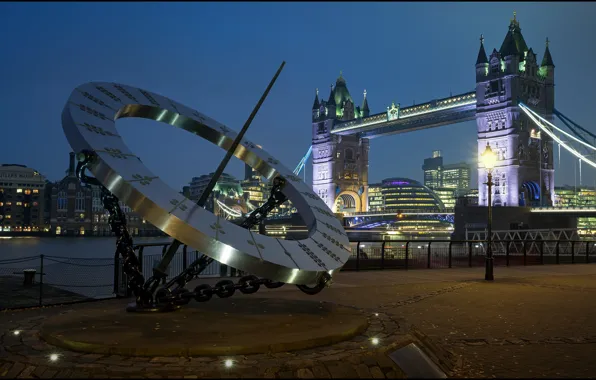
<point>540,122</point>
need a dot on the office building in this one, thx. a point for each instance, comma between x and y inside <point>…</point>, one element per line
<point>22,199</point>
<point>438,175</point>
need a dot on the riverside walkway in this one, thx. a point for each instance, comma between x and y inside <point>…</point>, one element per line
<point>537,321</point>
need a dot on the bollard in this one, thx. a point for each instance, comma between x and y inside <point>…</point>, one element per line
<point>41,280</point>
<point>184,263</point>
<point>357,256</point>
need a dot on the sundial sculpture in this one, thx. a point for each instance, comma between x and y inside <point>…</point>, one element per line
<point>88,120</point>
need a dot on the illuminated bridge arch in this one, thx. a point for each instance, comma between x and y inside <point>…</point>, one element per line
<point>347,201</point>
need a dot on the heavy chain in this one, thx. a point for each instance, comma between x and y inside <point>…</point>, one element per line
<point>174,292</point>
<point>117,221</point>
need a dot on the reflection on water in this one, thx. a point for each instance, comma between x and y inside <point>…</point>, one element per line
<point>100,247</point>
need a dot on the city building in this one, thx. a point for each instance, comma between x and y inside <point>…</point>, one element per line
<point>376,202</point>
<point>432,170</point>
<point>22,199</point>
<point>70,205</point>
<point>408,195</point>
<point>76,210</point>
<point>227,198</point>
<point>453,176</point>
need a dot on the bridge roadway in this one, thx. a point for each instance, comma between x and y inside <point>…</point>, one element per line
<point>448,215</point>
<point>438,112</point>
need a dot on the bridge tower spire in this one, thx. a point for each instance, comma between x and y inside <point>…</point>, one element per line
<point>524,174</point>
<point>340,163</point>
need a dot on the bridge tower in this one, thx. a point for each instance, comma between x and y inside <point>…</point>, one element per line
<point>340,163</point>
<point>524,173</point>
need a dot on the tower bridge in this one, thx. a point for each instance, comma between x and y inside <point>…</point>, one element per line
<point>506,79</point>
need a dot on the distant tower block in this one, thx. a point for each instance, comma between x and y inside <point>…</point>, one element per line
<point>524,174</point>
<point>340,163</point>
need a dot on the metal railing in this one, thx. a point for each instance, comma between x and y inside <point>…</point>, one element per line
<point>49,280</point>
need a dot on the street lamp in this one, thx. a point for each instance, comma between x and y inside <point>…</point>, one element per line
<point>489,158</point>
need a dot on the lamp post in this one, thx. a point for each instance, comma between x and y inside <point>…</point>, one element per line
<point>488,158</point>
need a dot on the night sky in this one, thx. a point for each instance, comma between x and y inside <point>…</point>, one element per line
<point>219,57</point>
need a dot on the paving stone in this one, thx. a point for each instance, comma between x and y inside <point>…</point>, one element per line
<point>300,363</point>
<point>377,373</point>
<point>363,371</point>
<point>286,375</point>
<point>305,373</point>
<point>341,370</point>
<point>63,373</point>
<point>384,361</point>
<point>49,373</point>
<point>333,357</point>
<point>321,372</point>
<point>164,359</point>
<point>15,370</point>
<point>27,372</point>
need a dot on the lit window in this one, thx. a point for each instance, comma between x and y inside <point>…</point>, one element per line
<point>19,203</point>
<point>35,191</point>
<point>27,192</point>
<point>35,204</point>
<point>19,190</point>
<point>8,203</point>
<point>7,216</point>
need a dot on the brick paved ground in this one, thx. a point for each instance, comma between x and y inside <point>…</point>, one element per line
<point>531,322</point>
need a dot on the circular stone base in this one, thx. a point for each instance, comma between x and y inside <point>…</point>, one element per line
<point>219,327</point>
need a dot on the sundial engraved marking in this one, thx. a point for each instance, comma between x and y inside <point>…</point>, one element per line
<point>327,251</point>
<point>199,116</point>
<point>92,112</point>
<point>149,97</point>
<point>249,144</point>
<point>108,94</point>
<point>143,180</point>
<point>178,205</point>
<point>310,195</point>
<point>116,153</point>
<point>312,255</point>
<point>293,178</point>
<point>98,130</point>
<point>224,129</point>
<point>335,242</point>
<point>332,228</point>
<point>126,93</point>
<point>272,161</point>
<point>323,211</point>
<point>95,100</point>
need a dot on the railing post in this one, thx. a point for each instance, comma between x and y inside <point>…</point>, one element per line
<point>525,252</point>
<point>541,252</point>
<point>40,280</point>
<point>429,256</point>
<point>587,252</point>
<point>572,252</point>
<point>507,253</point>
<point>116,274</point>
<point>357,256</point>
<point>184,263</point>
<point>557,252</point>
<point>383,255</point>
<point>470,254</point>
<point>141,257</point>
<point>450,246</point>
<point>407,248</point>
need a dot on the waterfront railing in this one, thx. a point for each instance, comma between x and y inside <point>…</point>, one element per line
<point>49,280</point>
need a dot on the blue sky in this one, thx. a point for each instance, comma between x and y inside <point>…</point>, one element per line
<point>219,57</point>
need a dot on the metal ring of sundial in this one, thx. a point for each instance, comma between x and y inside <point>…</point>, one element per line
<point>88,120</point>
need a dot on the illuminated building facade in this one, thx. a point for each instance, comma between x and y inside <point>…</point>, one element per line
<point>376,202</point>
<point>340,163</point>
<point>524,172</point>
<point>407,195</point>
<point>453,176</point>
<point>22,199</point>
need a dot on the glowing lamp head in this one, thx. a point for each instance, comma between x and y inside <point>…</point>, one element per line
<point>488,158</point>
<point>54,357</point>
<point>228,363</point>
<point>374,341</point>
